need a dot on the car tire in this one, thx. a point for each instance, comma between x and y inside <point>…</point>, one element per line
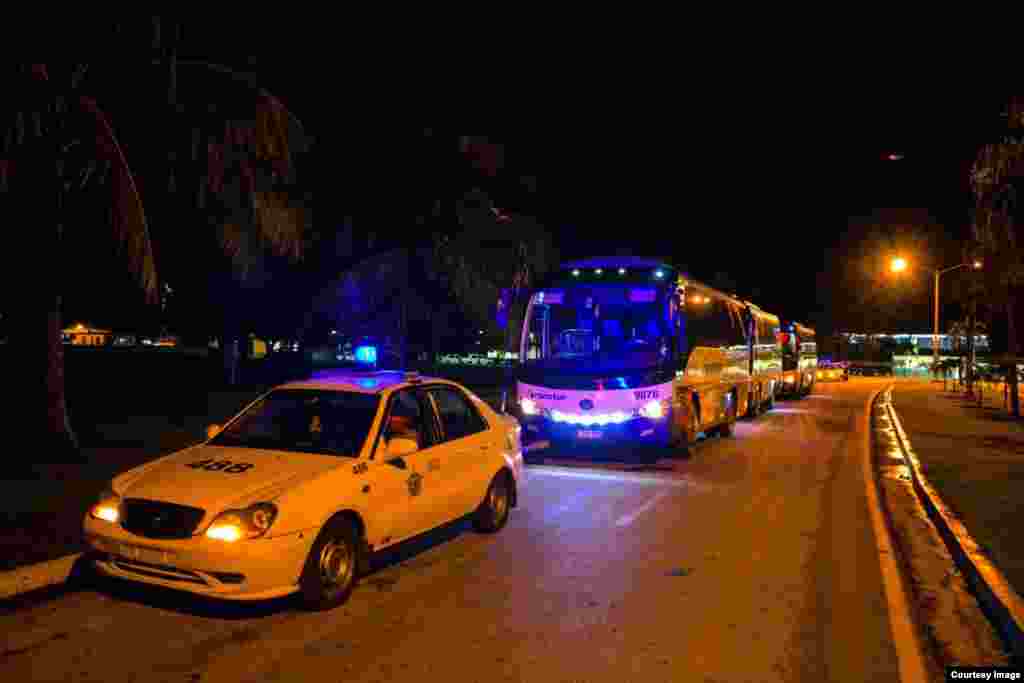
<point>332,567</point>
<point>492,513</point>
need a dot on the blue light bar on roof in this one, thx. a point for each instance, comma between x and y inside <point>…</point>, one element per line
<point>366,355</point>
<point>550,297</point>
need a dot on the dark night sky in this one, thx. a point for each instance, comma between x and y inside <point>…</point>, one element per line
<point>755,184</point>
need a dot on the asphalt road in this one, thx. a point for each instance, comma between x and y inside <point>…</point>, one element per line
<point>752,560</point>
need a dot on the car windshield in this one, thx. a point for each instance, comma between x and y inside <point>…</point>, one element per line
<point>304,421</point>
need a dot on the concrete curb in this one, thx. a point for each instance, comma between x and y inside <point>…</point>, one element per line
<point>1000,602</point>
<point>35,576</point>
<point>903,625</point>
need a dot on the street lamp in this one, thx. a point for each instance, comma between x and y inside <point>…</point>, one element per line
<point>899,264</point>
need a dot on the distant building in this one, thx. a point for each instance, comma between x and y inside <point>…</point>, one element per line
<point>923,342</point>
<point>83,335</point>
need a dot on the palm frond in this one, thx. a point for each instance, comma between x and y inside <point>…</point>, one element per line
<point>127,215</point>
<point>281,223</point>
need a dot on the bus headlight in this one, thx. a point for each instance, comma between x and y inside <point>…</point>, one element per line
<point>528,406</point>
<point>654,410</point>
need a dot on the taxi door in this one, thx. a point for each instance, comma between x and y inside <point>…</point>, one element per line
<point>404,488</point>
<point>468,452</point>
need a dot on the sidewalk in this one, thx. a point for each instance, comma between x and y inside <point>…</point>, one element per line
<point>974,457</point>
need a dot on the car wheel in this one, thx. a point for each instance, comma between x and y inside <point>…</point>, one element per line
<point>332,566</point>
<point>492,514</point>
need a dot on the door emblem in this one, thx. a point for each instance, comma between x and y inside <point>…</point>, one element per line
<point>415,483</point>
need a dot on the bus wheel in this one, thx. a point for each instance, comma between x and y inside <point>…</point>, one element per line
<point>725,429</point>
<point>688,439</point>
<point>754,403</point>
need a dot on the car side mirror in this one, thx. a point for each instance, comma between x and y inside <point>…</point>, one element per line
<point>398,446</point>
<point>212,431</point>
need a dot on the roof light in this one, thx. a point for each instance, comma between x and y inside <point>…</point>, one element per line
<point>366,355</point>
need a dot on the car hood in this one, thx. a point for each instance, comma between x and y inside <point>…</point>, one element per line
<point>171,479</point>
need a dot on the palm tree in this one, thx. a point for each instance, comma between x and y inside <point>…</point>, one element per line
<point>57,144</point>
<point>996,179</point>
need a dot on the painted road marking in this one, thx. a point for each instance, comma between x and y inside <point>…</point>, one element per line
<point>566,473</point>
<point>626,520</point>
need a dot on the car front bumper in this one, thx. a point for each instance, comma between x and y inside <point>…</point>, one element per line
<point>256,569</point>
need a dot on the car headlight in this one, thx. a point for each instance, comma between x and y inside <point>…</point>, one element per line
<point>528,406</point>
<point>107,507</point>
<point>252,522</point>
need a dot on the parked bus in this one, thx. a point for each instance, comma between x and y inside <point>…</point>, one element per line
<point>628,349</point>
<point>799,359</point>
<point>765,359</point>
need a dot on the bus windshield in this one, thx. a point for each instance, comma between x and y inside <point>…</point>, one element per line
<point>588,326</point>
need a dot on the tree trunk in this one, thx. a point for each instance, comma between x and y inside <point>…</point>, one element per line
<point>970,350</point>
<point>35,352</point>
<point>1011,333</point>
<point>65,442</point>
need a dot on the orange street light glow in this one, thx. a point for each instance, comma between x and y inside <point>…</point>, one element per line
<point>898,265</point>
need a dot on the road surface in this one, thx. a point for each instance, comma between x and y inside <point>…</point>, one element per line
<point>752,560</point>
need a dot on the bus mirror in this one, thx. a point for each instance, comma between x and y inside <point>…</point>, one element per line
<point>501,312</point>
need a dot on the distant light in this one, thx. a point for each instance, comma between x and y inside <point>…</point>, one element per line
<point>898,265</point>
<point>622,271</point>
<point>366,355</point>
<point>659,273</point>
<point>334,332</point>
<point>481,331</point>
<point>575,272</point>
<point>977,264</point>
<point>894,157</point>
<point>598,271</point>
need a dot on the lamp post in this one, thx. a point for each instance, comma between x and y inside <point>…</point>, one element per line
<point>898,265</point>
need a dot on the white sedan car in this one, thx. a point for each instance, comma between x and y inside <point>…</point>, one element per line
<point>296,492</point>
